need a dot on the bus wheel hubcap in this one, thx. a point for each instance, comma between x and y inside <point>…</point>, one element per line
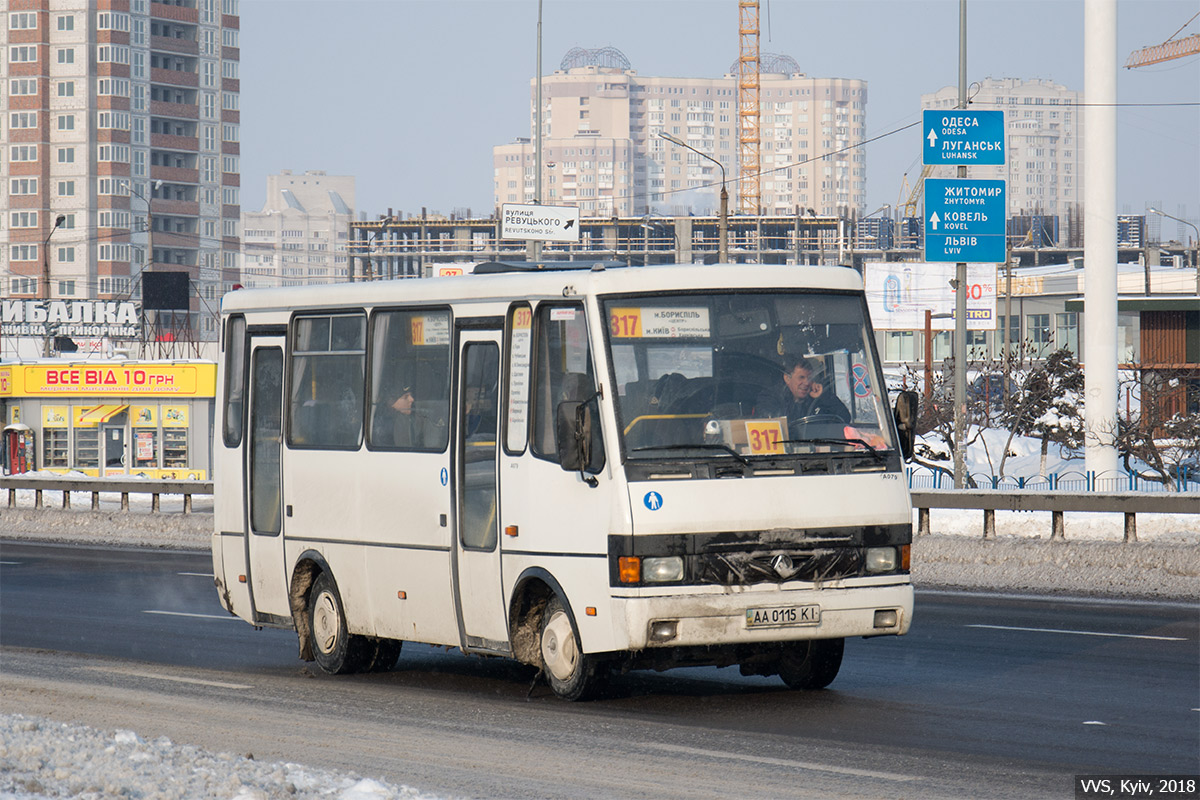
<point>325,623</point>
<point>558,647</point>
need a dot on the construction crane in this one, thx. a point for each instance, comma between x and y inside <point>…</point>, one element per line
<point>908,206</point>
<point>750,180</point>
<point>1170,49</point>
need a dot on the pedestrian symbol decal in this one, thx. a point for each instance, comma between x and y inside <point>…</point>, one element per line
<point>653,501</point>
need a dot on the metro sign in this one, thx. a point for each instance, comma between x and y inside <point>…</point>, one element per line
<point>965,220</point>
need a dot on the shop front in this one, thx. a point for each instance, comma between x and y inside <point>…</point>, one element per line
<point>115,418</point>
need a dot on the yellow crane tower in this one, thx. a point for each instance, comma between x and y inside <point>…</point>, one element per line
<point>1171,48</point>
<point>750,180</point>
<point>908,205</point>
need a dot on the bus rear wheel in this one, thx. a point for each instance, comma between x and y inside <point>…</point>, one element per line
<point>813,664</point>
<point>571,673</point>
<point>337,651</point>
<point>384,653</point>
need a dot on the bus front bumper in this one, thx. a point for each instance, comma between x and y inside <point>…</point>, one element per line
<point>749,617</point>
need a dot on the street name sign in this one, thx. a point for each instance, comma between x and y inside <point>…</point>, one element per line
<point>541,223</point>
<point>958,136</point>
<point>964,220</point>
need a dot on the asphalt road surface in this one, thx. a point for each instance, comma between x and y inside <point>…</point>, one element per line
<point>988,696</point>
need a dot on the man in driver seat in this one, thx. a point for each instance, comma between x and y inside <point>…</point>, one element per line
<point>803,393</point>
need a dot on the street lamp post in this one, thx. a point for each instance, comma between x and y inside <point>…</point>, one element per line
<point>1195,254</point>
<point>148,261</point>
<point>45,288</point>
<point>723,224</point>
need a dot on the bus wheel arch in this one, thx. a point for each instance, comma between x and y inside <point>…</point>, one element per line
<point>533,590</point>
<point>308,567</point>
<point>543,632</point>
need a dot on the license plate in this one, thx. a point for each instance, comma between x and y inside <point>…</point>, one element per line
<point>783,616</point>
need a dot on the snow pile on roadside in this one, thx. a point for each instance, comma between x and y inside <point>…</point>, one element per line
<point>43,759</point>
<point>1161,571</point>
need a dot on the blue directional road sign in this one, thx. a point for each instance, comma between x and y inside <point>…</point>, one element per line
<point>958,136</point>
<point>964,220</point>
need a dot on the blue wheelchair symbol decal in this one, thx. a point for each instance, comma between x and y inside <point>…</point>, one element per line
<point>653,501</point>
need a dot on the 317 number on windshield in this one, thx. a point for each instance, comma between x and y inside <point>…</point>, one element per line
<point>625,323</point>
<point>765,437</point>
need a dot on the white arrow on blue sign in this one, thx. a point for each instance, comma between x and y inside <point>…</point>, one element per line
<point>965,220</point>
<point>959,136</point>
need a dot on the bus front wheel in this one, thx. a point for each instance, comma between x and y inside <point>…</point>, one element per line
<point>572,674</point>
<point>337,651</point>
<point>813,664</point>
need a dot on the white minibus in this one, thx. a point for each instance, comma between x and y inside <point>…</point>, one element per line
<point>585,469</point>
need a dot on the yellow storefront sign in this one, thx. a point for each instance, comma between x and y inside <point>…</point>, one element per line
<point>112,379</point>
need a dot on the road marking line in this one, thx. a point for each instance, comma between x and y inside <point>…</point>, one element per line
<point>10,563</point>
<point>185,614</point>
<point>1083,633</point>
<point>133,673</point>
<point>196,574</point>
<point>778,762</point>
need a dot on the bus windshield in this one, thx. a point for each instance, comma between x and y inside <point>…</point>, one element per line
<point>743,375</point>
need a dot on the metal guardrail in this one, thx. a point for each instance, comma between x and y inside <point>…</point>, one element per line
<point>96,486</point>
<point>1057,503</point>
<point>988,501</point>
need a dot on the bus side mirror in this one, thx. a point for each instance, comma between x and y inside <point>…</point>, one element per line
<point>906,422</point>
<point>577,439</point>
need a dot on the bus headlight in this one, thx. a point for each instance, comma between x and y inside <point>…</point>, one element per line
<point>662,570</point>
<point>881,559</point>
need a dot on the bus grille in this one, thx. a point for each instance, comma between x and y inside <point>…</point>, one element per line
<point>778,566</point>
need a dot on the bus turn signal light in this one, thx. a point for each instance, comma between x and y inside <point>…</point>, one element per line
<point>905,556</point>
<point>629,569</point>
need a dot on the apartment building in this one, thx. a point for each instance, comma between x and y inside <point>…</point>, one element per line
<point>1044,130</point>
<point>120,118</point>
<point>300,235</point>
<point>602,150</point>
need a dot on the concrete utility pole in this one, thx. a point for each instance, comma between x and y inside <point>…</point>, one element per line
<point>960,289</point>
<point>1100,235</point>
<point>534,248</point>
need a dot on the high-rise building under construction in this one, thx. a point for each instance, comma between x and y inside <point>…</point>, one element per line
<point>602,150</point>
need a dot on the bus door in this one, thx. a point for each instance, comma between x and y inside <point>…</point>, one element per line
<point>264,480</point>
<point>481,611</point>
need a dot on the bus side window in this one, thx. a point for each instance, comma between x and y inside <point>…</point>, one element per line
<point>235,379</point>
<point>563,367</point>
<point>410,350</point>
<point>328,372</point>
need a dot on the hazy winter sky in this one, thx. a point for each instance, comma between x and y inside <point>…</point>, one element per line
<point>410,96</point>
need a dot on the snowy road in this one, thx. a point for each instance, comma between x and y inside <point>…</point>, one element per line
<point>988,696</point>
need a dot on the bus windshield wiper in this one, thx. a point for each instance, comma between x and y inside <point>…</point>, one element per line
<point>853,441</point>
<point>702,446</point>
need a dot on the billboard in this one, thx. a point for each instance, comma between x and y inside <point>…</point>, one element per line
<point>898,293</point>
